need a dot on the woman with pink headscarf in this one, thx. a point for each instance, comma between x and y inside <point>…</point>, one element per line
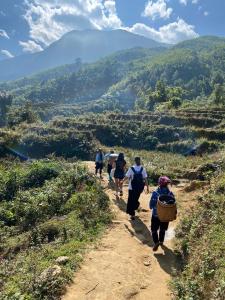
<point>159,228</point>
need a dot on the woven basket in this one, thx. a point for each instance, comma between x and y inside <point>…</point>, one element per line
<point>166,212</point>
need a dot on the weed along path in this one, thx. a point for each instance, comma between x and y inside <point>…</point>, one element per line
<point>123,265</point>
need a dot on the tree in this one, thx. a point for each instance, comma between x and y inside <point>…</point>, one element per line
<point>175,102</point>
<point>24,114</point>
<point>219,94</point>
<point>161,95</point>
<point>5,103</point>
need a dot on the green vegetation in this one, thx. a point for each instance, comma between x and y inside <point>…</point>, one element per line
<point>189,74</point>
<point>48,209</point>
<point>201,238</point>
<point>157,103</point>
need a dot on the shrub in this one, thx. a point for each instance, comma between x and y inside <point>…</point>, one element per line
<point>200,237</point>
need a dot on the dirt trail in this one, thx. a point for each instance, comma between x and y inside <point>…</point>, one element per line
<point>123,265</point>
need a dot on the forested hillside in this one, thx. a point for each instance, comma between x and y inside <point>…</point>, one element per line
<point>89,83</point>
<point>137,78</point>
<point>166,106</point>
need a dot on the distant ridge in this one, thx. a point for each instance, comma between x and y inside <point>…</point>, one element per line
<point>88,45</point>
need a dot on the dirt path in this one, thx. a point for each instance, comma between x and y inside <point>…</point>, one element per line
<point>123,266</point>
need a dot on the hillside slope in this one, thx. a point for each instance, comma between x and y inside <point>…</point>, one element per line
<point>90,81</point>
<point>126,79</point>
<point>87,45</point>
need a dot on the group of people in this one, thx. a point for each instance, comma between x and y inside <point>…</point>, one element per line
<point>138,181</point>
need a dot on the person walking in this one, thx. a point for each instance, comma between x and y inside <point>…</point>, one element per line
<point>99,162</point>
<point>111,157</point>
<point>158,228</point>
<point>137,176</point>
<point>119,174</point>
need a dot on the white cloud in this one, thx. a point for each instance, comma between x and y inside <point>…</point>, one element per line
<point>185,2</point>
<point>7,53</point>
<point>171,33</point>
<point>50,19</point>
<point>206,13</point>
<point>157,9</point>
<point>30,46</point>
<point>4,34</point>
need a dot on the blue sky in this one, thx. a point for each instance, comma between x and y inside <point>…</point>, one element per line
<point>28,26</point>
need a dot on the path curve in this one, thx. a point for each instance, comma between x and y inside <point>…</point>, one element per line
<point>123,265</point>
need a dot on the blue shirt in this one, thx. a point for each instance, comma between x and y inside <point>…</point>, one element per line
<point>99,157</point>
<point>155,196</point>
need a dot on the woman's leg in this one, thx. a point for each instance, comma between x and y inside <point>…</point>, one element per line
<point>155,223</point>
<point>117,185</point>
<point>100,169</point>
<point>130,204</point>
<point>96,168</point>
<point>121,187</point>
<point>163,228</point>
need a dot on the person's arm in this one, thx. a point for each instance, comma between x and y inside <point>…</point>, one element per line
<point>146,184</point>
<point>145,175</point>
<point>128,175</point>
<point>153,201</point>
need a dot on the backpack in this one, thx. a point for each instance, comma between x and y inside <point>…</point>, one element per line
<point>137,182</point>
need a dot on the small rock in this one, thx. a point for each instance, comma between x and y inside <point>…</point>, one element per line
<point>143,287</point>
<point>61,260</point>
<point>50,273</point>
<point>147,263</point>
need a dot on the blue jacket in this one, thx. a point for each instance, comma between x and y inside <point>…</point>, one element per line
<point>99,157</point>
<point>155,196</point>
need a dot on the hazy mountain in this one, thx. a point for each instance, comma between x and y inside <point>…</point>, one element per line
<point>88,45</point>
<point>125,75</point>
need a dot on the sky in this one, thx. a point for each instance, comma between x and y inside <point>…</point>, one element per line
<point>29,26</point>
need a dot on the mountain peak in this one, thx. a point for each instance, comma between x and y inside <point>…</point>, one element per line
<point>89,45</point>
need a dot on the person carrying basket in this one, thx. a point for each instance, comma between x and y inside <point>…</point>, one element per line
<point>163,206</point>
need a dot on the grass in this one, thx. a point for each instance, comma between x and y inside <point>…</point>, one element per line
<point>60,214</point>
<point>170,164</point>
<point>200,241</point>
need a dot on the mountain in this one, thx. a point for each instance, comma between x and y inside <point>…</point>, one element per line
<point>88,82</point>
<point>202,44</point>
<point>87,45</point>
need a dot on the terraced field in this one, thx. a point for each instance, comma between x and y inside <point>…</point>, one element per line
<point>178,131</point>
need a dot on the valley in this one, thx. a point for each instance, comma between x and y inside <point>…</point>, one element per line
<point>63,233</point>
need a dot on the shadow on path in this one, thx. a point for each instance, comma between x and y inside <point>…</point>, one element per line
<point>141,231</point>
<point>120,203</point>
<point>168,260</point>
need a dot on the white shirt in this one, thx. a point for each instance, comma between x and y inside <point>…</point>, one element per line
<point>130,174</point>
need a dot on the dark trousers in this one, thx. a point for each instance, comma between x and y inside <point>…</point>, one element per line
<point>156,226</point>
<point>98,166</point>
<point>133,203</point>
<point>109,169</point>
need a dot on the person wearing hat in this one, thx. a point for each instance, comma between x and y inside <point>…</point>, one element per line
<point>158,228</point>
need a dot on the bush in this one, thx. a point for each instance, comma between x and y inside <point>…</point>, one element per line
<point>55,215</point>
<point>200,237</point>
